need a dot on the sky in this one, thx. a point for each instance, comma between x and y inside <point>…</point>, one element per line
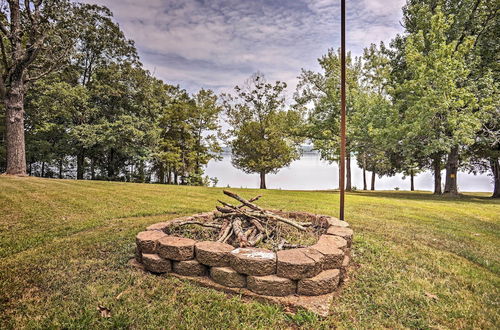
<point>218,44</point>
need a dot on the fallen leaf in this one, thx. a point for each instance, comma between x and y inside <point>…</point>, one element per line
<point>105,312</point>
<point>432,296</point>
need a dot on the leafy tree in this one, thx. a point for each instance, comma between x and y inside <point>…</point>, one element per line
<point>189,135</point>
<point>374,118</point>
<point>36,38</point>
<point>262,130</point>
<point>320,92</point>
<point>437,106</point>
<point>471,25</point>
<point>206,130</point>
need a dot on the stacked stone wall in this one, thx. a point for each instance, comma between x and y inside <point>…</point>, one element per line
<point>311,271</point>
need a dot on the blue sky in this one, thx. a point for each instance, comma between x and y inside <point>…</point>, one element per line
<point>220,43</point>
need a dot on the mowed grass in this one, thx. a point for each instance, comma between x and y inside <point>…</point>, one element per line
<point>421,261</point>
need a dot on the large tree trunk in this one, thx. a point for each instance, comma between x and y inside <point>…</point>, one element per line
<point>14,129</point>
<point>348,185</point>
<point>169,175</point>
<point>495,169</point>
<point>111,164</point>
<point>80,164</point>
<point>263,180</point>
<point>161,173</point>
<point>92,168</point>
<point>451,187</point>
<point>42,173</point>
<point>373,181</point>
<point>437,175</point>
<point>412,180</point>
<point>60,168</point>
<point>365,187</point>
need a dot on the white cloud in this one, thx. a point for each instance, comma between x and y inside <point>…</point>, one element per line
<point>219,43</point>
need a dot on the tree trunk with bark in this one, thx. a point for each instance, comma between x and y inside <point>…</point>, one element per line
<point>80,165</point>
<point>111,164</point>
<point>373,181</point>
<point>495,169</point>
<point>263,180</point>
<point>161,173</point>
<point>60,168</point>
<point>14,128</point>
<point>348,184</point>
<point>437,175</point>
<point>451,187</point>
<point>412,181</point>
<point>365,187</point>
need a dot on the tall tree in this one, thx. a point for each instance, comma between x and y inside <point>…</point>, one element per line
<point>320,92</point>
<point>206,130</point>
<point>262,129</point>
<point>438,107</point>
<point>36,38</point>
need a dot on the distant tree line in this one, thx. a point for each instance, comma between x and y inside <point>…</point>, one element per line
<point>77,103</point>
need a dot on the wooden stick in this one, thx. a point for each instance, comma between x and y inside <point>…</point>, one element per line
<point>229,235</point>
<point>242,200</point>
<point>238,231</point>
<point>189,222</point>
<point>264,212</point>
<point>226,233</point>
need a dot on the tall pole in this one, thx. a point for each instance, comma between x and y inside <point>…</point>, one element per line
<point>342,109</point>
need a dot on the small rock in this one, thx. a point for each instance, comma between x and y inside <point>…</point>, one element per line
<point>189,268</point>
<point>176,248</point>
<point>271,285</point>
<point>154,263</point>
<point>228,277</point>
<point>299,263</point>
<point>325,282</point>
<point>344,232</point>
<point>213,253</point>
<point>147,241</point>
<point>253,261</point>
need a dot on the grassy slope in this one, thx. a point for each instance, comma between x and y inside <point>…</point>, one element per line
<point>424,262</point>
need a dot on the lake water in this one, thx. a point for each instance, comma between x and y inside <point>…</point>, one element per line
<point>312,173</point>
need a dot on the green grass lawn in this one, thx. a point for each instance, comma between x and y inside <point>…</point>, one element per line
<point>422,261</point>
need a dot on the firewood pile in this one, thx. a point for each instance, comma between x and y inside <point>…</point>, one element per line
<point>245,224</point>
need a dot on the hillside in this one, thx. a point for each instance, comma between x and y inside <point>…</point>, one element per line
<point>423,261</point>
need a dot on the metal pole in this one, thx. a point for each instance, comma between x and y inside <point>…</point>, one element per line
<point>342,110</point>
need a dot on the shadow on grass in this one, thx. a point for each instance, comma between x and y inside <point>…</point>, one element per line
<point>427,196</point>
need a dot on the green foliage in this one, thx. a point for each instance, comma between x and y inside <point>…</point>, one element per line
<point>189,131</point>
<point>262,129</point>
<point>320,92</point>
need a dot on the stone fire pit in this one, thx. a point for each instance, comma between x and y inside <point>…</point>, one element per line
<point>293,273</point>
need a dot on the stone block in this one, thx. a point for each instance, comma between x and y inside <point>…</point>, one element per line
<point>253,261</point>
<point>154,263</point>
<point>213,253</point>
<point>325,282</point>
<point>228,277</point>
<point>299,263</point>
<point>147,241</point>
<point>176,248</point>
<point>189,268</point>
<point>344,232</point>
<point>271,285</point>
